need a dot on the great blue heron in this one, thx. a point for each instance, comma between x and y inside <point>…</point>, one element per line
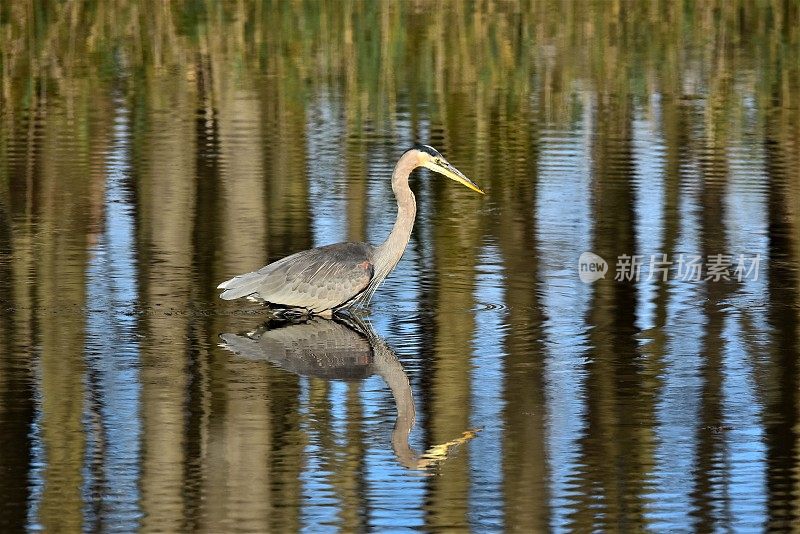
<point>343,349</point>
<point>325,279</point>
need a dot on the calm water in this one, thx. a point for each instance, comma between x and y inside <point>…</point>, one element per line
<point>147,155</point>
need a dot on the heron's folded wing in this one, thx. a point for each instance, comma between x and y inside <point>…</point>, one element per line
<point>318,279</point>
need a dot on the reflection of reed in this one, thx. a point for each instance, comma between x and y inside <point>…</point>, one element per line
<point>782,391</point>
<point>711,444</point>
<point>378,52</point>
<point>525,463</point>
<point>17,319</point>
<point>245,219</point>
<point>335,350</point>
<point>166,187</point>
<point>453,330</point>
<point>619,403</point>
<point>63,198</point>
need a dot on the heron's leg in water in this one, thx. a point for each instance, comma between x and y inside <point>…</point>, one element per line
<point>290,313</point>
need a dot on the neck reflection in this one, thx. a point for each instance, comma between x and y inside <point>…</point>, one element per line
<point>343,349</point>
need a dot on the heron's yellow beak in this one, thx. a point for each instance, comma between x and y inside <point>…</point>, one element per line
<point>444,167</point>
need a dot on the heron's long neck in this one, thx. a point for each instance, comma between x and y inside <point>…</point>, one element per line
<point>391,370</point>
<point>391,250</point>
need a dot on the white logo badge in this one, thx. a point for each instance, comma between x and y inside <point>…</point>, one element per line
<point>591,267</point>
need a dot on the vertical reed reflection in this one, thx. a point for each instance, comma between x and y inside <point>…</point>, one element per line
<point>782,415</point>
<point>166,185</point>
<point>17,403</point>
<point>709,504</point>
<point>64,199</point>
<point>17,392</point>
<point>446,414</point>
<point>515,133</point>
<point>619,410</point>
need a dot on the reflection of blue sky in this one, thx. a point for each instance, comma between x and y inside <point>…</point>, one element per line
<point>38,459</point>
<point>394,496</point>
<point>745,455</point>
<point>112,350</point>
<point>562,235</point>
<point>738,488</point>
<point>326,172</point>
<point>747,229</point>
<point>111,413</point>
<point>648,152</point>
<point>486,451</point>
<point>677,408</point>
<point>318,497</point>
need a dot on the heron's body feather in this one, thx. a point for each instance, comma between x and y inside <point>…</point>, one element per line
<point>317,279</point>
<point>324,279</point>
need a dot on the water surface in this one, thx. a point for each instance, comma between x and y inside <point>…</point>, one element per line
<point>145,156</point>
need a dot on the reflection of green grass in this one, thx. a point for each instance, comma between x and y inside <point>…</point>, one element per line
<point>472,70</point>
<point>379,50</point>
<point>463,66</point>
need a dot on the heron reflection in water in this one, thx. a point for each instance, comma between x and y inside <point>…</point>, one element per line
<point>344,349</point>
<point>322,280</point>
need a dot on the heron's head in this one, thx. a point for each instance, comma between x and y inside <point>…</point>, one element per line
<point>430,158</point>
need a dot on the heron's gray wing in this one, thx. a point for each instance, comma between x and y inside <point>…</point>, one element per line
<point>319,348</point>
<point>318,279</point>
